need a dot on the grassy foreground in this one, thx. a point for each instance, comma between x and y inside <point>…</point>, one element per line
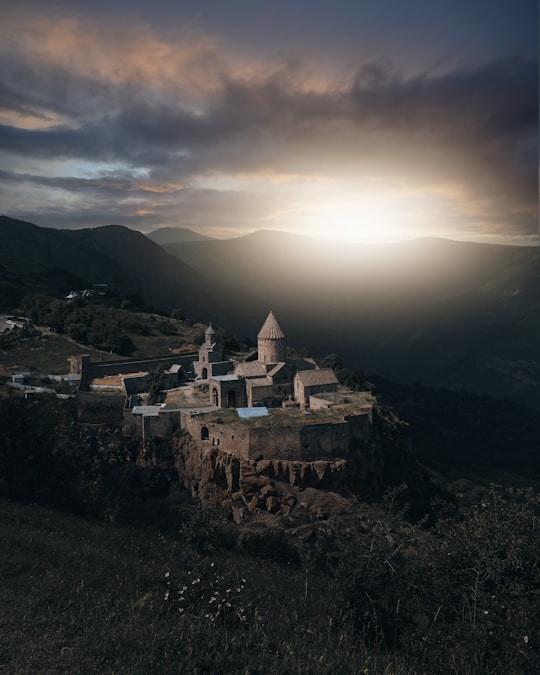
<point>85,597</point>
<point>80,596</point>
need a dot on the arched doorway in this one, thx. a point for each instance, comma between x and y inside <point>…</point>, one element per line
<point>204,373</point>
<point>204,434</point>
<point>215,397</point>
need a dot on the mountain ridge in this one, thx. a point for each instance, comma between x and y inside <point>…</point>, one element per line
<point>125,259</point>
<point>175,235</point>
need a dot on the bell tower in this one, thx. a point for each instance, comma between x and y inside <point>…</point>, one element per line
<point>272,347</point>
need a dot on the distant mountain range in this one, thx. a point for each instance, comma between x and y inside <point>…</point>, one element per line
<point>175,235</point>
<point>124,259</point>
<point>443,313</point>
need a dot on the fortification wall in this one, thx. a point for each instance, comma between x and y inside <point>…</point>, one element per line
<point>99,409</point>
<point>160,425</point>
<point>91,369</point>
<point>301,443</point>
<point>232,438</point>
<point>325,440</point>
<point>273,442</point>
<point>360,425</point>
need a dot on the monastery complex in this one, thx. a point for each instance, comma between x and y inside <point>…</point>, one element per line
<point>271,380</point>
<point>246,427</point>
<point>278,407</point>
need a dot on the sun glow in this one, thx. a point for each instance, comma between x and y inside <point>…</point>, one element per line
<point>366,219</point>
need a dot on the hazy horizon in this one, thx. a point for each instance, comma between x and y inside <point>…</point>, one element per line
<point>502,240</point>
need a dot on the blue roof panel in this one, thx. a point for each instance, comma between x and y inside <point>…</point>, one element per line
<point>246,413</point>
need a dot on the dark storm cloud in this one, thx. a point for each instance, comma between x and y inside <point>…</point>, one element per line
<point>182,111</point>
<point>493,107</point>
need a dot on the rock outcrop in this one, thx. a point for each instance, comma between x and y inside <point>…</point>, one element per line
<point>250,488</point>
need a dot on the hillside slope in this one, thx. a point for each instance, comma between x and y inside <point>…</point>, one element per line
<point>124,259</point>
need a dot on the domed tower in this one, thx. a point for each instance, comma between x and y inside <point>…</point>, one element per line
<point>271,341</point>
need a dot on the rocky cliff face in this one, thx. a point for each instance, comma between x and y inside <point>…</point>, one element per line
<point>278,486</point>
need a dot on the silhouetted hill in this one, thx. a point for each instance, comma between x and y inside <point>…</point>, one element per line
<point>445,313</point>
<point>175,235</point>
<point>124,259</point>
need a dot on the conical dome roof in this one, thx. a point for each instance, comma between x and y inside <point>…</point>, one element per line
<point>271,329</point>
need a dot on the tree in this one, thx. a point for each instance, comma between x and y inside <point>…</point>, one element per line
<point>154,386</point>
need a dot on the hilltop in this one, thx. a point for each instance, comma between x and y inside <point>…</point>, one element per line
<point>175,235</point>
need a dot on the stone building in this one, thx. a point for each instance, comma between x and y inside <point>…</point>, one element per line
<point>268,381</point>
<point>307,383</point>
<point>212,359</point>
<point>271,341</point>
<point>272,427</point>
<point>128,375</point>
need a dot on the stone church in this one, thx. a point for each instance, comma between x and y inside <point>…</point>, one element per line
<point>272,380</point>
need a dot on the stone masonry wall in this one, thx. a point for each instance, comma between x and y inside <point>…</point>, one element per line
<point>309,442</point>
<point>92,369</point>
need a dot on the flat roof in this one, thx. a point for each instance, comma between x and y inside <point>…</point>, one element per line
<point>198,409</point>
<point>224,378</point>
<point>146,410</point>
<point>246,413</point>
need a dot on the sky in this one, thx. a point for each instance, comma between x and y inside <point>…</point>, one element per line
<point>352,120</point>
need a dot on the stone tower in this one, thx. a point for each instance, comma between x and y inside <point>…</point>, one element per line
<point>210,336</point>
<point>271,341</point>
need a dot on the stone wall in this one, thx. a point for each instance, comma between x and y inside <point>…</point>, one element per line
<point>232,438</point>
<point>360,425</point>
<point>324,440</point>
<point>295,442</point>
<point>164,423</point>
<point>91,369</point>
<point>100,409</point>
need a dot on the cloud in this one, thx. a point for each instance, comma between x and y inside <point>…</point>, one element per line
<point>178,108</point>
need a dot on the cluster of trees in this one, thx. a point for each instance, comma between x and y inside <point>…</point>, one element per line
<point>102,327</point>
<point>11,337</point>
